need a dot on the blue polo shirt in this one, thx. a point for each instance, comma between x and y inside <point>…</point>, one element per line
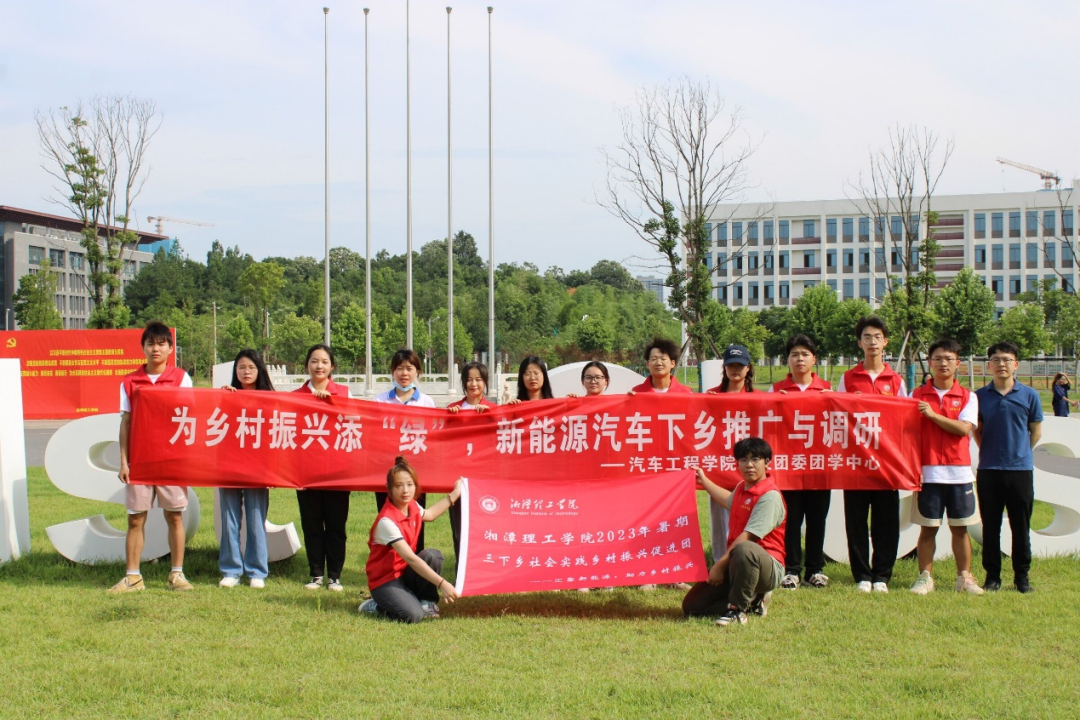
<point>1004,420</point>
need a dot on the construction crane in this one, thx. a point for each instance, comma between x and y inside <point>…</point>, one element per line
<point>1047,176</point>
<point>160,219</point>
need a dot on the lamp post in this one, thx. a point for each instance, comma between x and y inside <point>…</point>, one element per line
<point>449,222</point>
<point>408,188</point>
<point>491,215</point>
<point>326,172</point>
<point>368,380</point>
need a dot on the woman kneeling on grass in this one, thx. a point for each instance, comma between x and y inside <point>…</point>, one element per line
<point>405,585</point>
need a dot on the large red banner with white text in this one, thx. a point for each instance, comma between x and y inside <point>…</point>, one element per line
<point>522,536</point>
<point>73,373</point>
<point>264,439</point>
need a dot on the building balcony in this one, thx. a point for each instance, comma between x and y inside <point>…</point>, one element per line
<point>950,222</point>
<point>806,271</point>
<point>806,241</point>
<point>949,267</point>
<point>949,235</point>
<point>951,253</point>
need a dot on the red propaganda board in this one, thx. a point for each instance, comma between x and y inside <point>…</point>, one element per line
<point>527,536</point>
<point>72,373</point>
<point>210,437</point>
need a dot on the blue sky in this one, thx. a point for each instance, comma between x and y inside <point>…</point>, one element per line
<point>240,88</point>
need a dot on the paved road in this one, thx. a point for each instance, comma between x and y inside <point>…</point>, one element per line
<point>38,434</point>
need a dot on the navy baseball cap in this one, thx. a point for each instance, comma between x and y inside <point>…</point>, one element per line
<point>736,355</point>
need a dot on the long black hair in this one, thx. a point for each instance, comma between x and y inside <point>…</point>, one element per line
<point>262,378</point>
<point>748,383</point>
<point>326,349</point>
<point>545,391</point>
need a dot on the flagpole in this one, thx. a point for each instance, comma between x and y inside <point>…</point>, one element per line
<point>449,223</point>
<point>369,384</point>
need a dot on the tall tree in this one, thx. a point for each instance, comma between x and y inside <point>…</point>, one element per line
<point>1022,324</point>
<point>964,311</point>
<point>97,154</point>
<point>681,154</point>
<point>34,306</point>
<point>896,198</point>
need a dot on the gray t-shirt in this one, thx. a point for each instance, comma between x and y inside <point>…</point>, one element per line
<point>766,516</point>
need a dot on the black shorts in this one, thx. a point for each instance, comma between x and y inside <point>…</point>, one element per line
<point>934,500</point>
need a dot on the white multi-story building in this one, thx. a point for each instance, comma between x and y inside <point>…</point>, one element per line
<point>768,255</point>
<point>28,237</point>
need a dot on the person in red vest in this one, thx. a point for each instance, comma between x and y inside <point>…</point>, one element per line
<point>743,579</point>
<point>157,345</point>
<point>872,376</point>
<point>809,505</point>
<point>661,357</point>
<point>323,513</point>
<point>949,413</point>
<point>404,584</point>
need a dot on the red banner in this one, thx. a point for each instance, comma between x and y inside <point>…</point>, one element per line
<point>261,439</point>
<point>524,536</point>
<point>72,373</point>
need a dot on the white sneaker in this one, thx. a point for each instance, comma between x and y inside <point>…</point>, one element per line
<point>923,584</point>
<point>258,583</point>
<point>790,582</point>
<point>863,586</point>
<point>315,584</point>
<point>335,585</point>
<point>818,580</point>
<point>227,582</point>
<point>966,583</point>
<point>881,587</point>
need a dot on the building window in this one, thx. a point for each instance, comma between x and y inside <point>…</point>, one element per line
<point>830,229</point>
<point>769,292</point>
<point>1032,283</point>
<point>1014,253</point>
<point>1014,286</point>
<point>1049,223</point>
<point>768,229</point>
<point>721,293</point>
<point>897,227</point>
<point>997,254</point>
<point>831,284</point>
<point>754,292</point>
<point>785,291</point>
<point>784,263</point>
<point>1066,255</point>
<point>736,232</point>
<point>721,232</point>
<point>849,289</point>
<point>980,253</point>
<point>809,258</point>
<point>1067,223</point>
<point>980,225</point>
<point>1050,281</point>
<point>738,292</point>
<point>864,258</point>
<point>1014,224</point>
<point>1031,218</point>
<point>721,263</point>
<point>1032,255</point>
<point>769,261</point>
<point>785,230</point>
<point>830,259</point>
<point>752,232</point>
<point>864,288</point>
<point>997,225</point>
<point>849,232</point>
<point>737,257</point>
<point>36,254</point>
<point>849,258</point>
<point>808,227</point>
<point>56,258</point>
<point>995,286</point>
<point>1051,255</point>
<point>879,290</point>
<point>864,229</point>
<point>753,261</point>
<point>77,260</point>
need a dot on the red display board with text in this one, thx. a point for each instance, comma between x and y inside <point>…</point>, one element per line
<point>72,373</point>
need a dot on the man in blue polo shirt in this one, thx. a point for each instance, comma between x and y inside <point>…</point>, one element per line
<point>1010,424</point>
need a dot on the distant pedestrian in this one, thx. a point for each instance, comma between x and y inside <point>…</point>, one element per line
<point>1060,389</point>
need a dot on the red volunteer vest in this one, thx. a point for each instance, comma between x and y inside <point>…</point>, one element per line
<point>675,387</point>
<point>788,384</point>
<point>172,376</point>
<point>743,502</point>
<point>857,379</point>
<point>940,447</point>
<point>383,563</point>
<point>331,387</point>
<point>483,401</point>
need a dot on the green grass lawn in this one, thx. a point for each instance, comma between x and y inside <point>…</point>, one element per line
<point>71,650</point>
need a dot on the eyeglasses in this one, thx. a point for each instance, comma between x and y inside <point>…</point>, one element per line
<point>1000,361</point>
<point>938,360</point>
<point>750,460</point>
<point>593,378</point>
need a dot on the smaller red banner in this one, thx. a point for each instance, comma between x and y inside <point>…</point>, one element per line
<point>529,536</point>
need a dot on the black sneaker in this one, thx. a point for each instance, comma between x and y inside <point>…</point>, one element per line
<point>1023,586</point>
<point>733,616</point>
<point>760,605</point>
<point>992,585</point>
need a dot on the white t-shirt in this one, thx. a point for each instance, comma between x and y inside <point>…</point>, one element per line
<point>125,403</point>
<point>901,392</point>
<point>661,390</point>
<point>417,398</point>
<point>802,388</point>
<point>954,474</point>
<point>387,531</point>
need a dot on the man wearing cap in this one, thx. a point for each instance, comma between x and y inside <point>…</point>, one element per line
<point>738,377</point>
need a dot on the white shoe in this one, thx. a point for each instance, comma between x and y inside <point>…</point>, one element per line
<point>258,583</point>
<point>315,584</point>
<point>790,582</point>
<point>880,587</point>
<point>227,582</point>
<point>923,584</point>
<point>335,585</point>
<point>863,586</point>
<point>966,583</point>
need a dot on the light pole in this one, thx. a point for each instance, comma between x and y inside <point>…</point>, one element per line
<point>449,222</point>
<point>368,381</point>
<point>326,171</point>
<point>431,344</point>
<point>408,188</point>
<point>214,304</point>
<point>491,216</point>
